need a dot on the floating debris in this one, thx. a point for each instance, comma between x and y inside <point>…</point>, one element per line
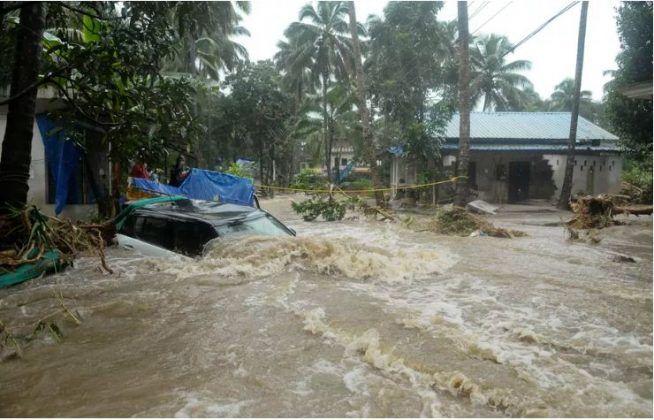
<point>597,212</point>
<point>33,243</point>
<point>460,222</point>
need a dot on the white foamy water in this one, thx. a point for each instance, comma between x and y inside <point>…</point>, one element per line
<point>355,318</point>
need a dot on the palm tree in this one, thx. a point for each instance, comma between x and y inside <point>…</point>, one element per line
<point>295,63</point>
<point>323,46</point>
<point>462,191</point>
<point>205,29</point>
<point>368,141</point>
<point>563,96</point>
<point>497,81</point>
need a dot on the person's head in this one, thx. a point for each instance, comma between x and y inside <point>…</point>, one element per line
<point>181,160</point>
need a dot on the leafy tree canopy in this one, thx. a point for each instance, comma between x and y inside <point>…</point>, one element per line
<point>631,119</point>
<point>411,62</point>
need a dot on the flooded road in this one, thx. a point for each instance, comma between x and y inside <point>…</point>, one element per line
<point>356,318</point>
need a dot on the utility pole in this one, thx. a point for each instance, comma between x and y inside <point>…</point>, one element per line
<point>462,192</point>
<point>566,188</point>
<point>368,140</point>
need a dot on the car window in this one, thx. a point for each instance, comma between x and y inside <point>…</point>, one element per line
<point>154,230</point>
<point>128,226</point>
<point>189,237</point>
<point>264,225</point>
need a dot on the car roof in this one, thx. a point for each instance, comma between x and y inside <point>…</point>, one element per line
<point>207,211</point>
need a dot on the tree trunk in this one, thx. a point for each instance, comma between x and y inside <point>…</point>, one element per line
<point>566,188</point>
<point>192,55</point>
<point>17,146</point>
<point>369,151</point>
<point>325,116</point>
<point>331,128</point>
<point>462,192</point>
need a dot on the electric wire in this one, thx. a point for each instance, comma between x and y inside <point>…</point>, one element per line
<point>540,28</point>
<point>491,18</point>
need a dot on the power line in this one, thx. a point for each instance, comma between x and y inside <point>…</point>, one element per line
<point>492,17</point>
<point>540,28</point>
<point>481,6</point>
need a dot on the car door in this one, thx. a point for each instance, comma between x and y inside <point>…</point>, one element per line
<point>147,237</point>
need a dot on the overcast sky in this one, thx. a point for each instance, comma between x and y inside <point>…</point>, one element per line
<point>552,51</point>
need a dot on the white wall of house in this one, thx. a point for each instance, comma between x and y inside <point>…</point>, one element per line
<point>592,174</point>
<point>38,181</point>
<point>490,189</point>
<point>403,172</point>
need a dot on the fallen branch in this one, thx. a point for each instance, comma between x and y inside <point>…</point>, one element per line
<point>636,211</point>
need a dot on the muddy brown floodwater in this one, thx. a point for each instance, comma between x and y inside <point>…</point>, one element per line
<point>356,318</point>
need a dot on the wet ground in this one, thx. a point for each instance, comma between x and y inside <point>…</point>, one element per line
<point>355,318</point>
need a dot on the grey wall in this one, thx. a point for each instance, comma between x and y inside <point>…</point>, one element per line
<point>593,174</point>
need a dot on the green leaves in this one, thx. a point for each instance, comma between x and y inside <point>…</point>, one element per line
<point>91,29</point>
<point>495,80</point>
<point>631,119</point>
<point>330,209</point>
<point>50,40</point>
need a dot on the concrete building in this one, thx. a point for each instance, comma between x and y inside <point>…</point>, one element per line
<point>515,156</point>
<point>343,162</point>
<point>80,202</point>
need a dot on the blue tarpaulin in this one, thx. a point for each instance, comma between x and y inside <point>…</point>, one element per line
<point>62,156</point>
<point>155,187</point>
<point>201,184</point>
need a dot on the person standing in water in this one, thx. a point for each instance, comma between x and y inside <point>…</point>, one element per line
<point>179,172</point>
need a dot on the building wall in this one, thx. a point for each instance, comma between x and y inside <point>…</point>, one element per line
<point>37,183</point>
<point>492,184</point>
<point>592,174</point>
<point>403,171</point>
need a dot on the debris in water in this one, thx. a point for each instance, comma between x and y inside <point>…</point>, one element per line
<point>458,221</point>
<point>28,236</point>
<point>621,258</point>
<point>481,207</point>
<point>330,209</point>
<point>590,236</point>
<point>598,211</point>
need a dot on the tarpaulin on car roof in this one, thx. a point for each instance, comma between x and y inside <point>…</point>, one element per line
<point>201,184</point>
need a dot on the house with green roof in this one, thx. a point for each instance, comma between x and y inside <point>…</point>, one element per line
<point>516,156</point>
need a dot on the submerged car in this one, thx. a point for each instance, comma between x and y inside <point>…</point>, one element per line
<point>163,225</point>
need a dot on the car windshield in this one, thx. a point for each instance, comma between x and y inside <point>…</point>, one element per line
<point>263,225</point>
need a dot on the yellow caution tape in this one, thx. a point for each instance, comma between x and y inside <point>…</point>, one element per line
<point>404,187</point>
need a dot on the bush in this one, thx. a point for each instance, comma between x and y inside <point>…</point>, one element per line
<point>358,184</point>
<point>238,170</point>
<point>308,179</point>
<point>330,209</point>
<point>640,177</point>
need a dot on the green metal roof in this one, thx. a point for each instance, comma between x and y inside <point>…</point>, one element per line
<point>532,147</point>
<point>526,126</point>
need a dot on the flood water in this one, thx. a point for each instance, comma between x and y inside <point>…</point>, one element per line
<point>355,318</point>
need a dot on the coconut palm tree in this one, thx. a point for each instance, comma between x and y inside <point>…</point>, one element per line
<point>205,30</point>
<point>563,96</point>
<point>322,45</point>
<point>497,81</point>
<point>295,63</point>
